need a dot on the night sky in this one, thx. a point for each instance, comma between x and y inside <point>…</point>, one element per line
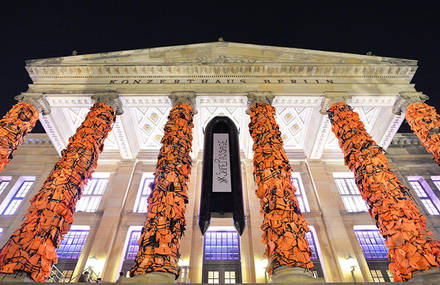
<point>42,29</point>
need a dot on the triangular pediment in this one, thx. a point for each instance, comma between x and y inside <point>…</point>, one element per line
<point>218,53</point>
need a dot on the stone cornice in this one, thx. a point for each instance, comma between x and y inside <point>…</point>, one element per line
<point>221,70</point>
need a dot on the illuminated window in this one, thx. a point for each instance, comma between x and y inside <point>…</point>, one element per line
<point>229,277</point>
<point>4,182</point>
<point>299,193</point>
<point>377,275</point>
<point>311,241</point>
<point>352,199</point>
<point>144,191</point>
<point>93,192</point>
<point>213,277</point>
<point>436,181</point>
<point>16,195</point>
<point>372,243</point>
<point>73,243</point>
<point>425,194</point>
<point>133,245</point>
<point>222,245</point>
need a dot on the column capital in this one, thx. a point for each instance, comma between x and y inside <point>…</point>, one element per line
<point>110,98</point>
<point>332,97</point>
<point>259,97</point>
<point>185,97</point>
<point>407,98</point>
<point>38,100</point>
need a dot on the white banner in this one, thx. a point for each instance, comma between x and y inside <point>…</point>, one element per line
<point>221,168</point>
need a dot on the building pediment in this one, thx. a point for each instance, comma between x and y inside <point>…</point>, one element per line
<point>215,60</point>
<point>219,52</point>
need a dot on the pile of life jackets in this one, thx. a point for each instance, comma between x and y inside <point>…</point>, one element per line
<point>165,224</point>
<point>284,227</point>
<point>397,216</point>
<point>14,126</point>
<point>31,248</point>
<point>425,123</point>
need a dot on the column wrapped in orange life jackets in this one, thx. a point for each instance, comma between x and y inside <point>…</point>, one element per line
<point>284,226</point>
<point>425,123</point>
<point>14,126</point>
<point>165,224</point>
<point>31,248</point>
<point>397,216</point>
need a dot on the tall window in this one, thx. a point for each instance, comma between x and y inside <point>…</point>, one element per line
<point>352,199</point>
<point>131,248</point>
<point>4,182</point>
<point>16,195</point>
<point>375,252</point>
<point>221,256</point>
<point>311,239</point>
<point>222,245</point>
<point>70,250</point>
<point>93,192</point>
<point>144,191</point>
<point>300,193</point>
<point>425,194</point>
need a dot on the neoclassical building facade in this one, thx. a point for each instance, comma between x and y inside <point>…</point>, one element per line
<point>216,80</point>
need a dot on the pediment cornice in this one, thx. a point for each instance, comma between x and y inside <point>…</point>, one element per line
<point>220,60</point>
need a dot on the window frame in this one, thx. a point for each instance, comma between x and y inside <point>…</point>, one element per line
<point>350,205</point>
<point>430,196</point>
<point>147,178</point>
<point>75,228</point>
<point>87,204</point>
<point>12,195</point>
<point>297,176</point>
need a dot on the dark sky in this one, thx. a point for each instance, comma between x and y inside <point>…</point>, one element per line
<point>41,29</point>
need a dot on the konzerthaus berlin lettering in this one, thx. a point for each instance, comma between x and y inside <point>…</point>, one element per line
<point>220,163</point>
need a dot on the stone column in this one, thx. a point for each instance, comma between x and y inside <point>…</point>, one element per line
<point>283,225</point>
<point>30,251</point>
<point>411,249</point>
<point>20,120</point>
<point>423,120</point>
<point>157,258</point>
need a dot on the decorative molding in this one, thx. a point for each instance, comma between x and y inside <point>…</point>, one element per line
<point>321,138</point>
<point>122,139</point>
<point>50,128</point>
<point>384,70</point>
<point>407,98</point>
<point>391,131</point>
<point>297,101</point>
<point>146,101</point>
<point>405,139</point>
<point>38,100</point>
<point>110,98</point>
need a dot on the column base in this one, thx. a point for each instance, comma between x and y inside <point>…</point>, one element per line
<point>151,277</point>
<point>431,275</point>
<point>286,274</point>
<point>16,277</point>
